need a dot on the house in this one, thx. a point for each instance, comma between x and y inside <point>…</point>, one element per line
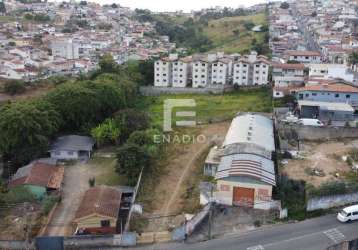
<point>98,211</point>
<point>163,72</point>
<point>38,177</point>
<point>201,72</point>
<point>245,175</point>
<point>304,56</point>
<point>251,70</point>
<point>181,72</point>
<point>65,48</point>
<point>72,147</point>
<point>336,92</point>
<point>221,71</point>
<point>326,111</point>
<point>288,75</point>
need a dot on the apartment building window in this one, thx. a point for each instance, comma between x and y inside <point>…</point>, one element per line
<point>245,65</point>
<point>221,65</point>
<point>164,63</point>
<point>164,74</point>
<point>176,64</point>
<point>348,96</point>
<point>202,76</point>
<point>157,63</point>
<point>175,69</point>
<point>243,77</point>
<point>196,64</point>
<point>336,95</point>
<point>203,64</point>
<point>257,66</point>
<point>158,74</point>
<point>215,65</point>
<point>181,75</point>
<point>196,70</point>
<point>307,95</point>
<point>181,70</point>
<point>264,66</point>
<point>257,72</point>
<point>214,70</point>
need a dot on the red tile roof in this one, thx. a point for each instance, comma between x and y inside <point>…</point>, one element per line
<point>303,53</point>
<point>289,66</point>
<point>338,87</point>
<point>100,200</point>
<point>41,174</point>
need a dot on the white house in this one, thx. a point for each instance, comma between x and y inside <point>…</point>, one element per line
<point>181,72</point>
<point>72,147</point>
<point>163,72</point>
<point>304,56</point>
<point>288,75</point>
<point>65,48</point>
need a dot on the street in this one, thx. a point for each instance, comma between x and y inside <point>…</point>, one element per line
<point>313,234</point>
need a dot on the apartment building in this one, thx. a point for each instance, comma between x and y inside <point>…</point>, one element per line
<point>288,75</point>
<point>251,70</point>
<point>304,56</point>
<point>163,72</point>
<point>65,48</point>
<point>181,72</point>
<point>221,71</point>
<point>202,69</point>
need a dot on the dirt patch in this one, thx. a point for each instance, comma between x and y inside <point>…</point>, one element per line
<point>325,157</point>
<point>170,195</point>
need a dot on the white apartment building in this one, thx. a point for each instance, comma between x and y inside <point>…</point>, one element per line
<point>65,48</point>
<point>288,75</point>
<point>251,70</point>
<point>201,73</point>
<point>304,56</point>
<point>181,72</point>
<point>163,73</point>
<point>221,71</point>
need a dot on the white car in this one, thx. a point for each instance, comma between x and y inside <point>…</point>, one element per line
<point>311,122</point>
<point>348,214</point>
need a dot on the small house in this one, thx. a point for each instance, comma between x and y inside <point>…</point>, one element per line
<point>72,147</point>
<point>99,211</point>
<point>40,178</point>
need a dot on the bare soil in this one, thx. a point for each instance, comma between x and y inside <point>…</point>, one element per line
<point>169,197</point>
<point>325,156</point>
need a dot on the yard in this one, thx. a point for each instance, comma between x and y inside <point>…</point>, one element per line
<point>213,108</point>
<point>321,162</point>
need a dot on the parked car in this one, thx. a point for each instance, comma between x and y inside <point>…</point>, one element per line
<point>348,214</point>
<point>311,122</point>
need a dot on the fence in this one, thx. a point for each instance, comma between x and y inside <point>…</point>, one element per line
<point>154,91</point>
<point>294,132</point>
<point>326,202</point>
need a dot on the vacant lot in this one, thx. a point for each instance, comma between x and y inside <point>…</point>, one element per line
<point>211,108</point>
<point>325,157</point>
<point>177,189</point>
<point>221,32</point>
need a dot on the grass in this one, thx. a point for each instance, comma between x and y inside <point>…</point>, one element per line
<point>221,32</point>
<point>210,107</point>
<point>106,171</point>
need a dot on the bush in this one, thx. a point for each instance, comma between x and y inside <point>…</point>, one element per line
<point>14,88</point>
<point>18,194</point>
<point>48,203</point>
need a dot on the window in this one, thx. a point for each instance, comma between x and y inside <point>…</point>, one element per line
<point>105,223</point>
<point>307,95</point>
<point>70,152</point>
<point>314,94</point>
<point>348,96</point>
<point>336,95</point>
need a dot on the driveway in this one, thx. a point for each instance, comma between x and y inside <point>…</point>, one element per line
<point>75,184</point>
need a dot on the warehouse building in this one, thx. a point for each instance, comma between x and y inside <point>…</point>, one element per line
<point>246,174</point>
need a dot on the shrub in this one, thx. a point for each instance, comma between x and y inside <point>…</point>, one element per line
<point>14,87</point>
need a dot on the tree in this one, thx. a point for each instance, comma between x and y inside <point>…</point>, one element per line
<point>131,120</point>
<point>249,25</point>
<point>25,130</point>
<point>14,87</point>
<point>107,64</point>
<point>353,58</point>
<point>107,132</point>
<point>131,159</point>
<point>145,139</point>
<point>285,5</point>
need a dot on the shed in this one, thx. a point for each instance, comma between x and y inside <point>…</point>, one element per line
<point>72,147</point>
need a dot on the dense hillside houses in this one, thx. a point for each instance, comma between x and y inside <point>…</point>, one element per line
<point>201,71</point>
<point>63,32</point>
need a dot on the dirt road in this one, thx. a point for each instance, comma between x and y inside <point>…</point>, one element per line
<point>75,184</point>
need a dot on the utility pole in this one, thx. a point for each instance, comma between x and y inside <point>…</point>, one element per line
<point>28,227</point>
<point>210,213</point>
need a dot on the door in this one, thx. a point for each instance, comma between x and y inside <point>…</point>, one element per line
<point>243,197</point>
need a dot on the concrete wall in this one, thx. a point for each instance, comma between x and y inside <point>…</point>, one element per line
<point>154,91</point>
<point>226,189</point>
<point>310,133</point>
<point>326,202</point>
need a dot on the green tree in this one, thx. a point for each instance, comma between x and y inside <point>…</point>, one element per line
<point>131,120</point>
<point>107,132</point>
<point>14,87</point>
<point>353,58</point>
<point>107,64</point>
<point>25,130</point>
<point>131,159</point>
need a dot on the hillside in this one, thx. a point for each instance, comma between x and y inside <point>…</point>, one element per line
<point>230,35</point>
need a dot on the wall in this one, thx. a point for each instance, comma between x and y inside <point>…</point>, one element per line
<point>326,202</point>
<point>154,91</point>
<point>226,197</point>
<point>310,133</point>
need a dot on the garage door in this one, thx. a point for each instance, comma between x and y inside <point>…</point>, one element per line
<point>243,197</point>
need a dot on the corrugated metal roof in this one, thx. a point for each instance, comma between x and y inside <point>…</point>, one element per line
<point>248,165</point>
<point>251,128</point>
<point>331,106</point>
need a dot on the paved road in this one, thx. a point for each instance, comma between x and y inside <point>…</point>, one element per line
<point>314,234</point>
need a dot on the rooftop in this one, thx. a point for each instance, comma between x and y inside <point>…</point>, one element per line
<point>100,200</point>
<point>332,106</point>
<point>338,87</point>
<point>74,143</point>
